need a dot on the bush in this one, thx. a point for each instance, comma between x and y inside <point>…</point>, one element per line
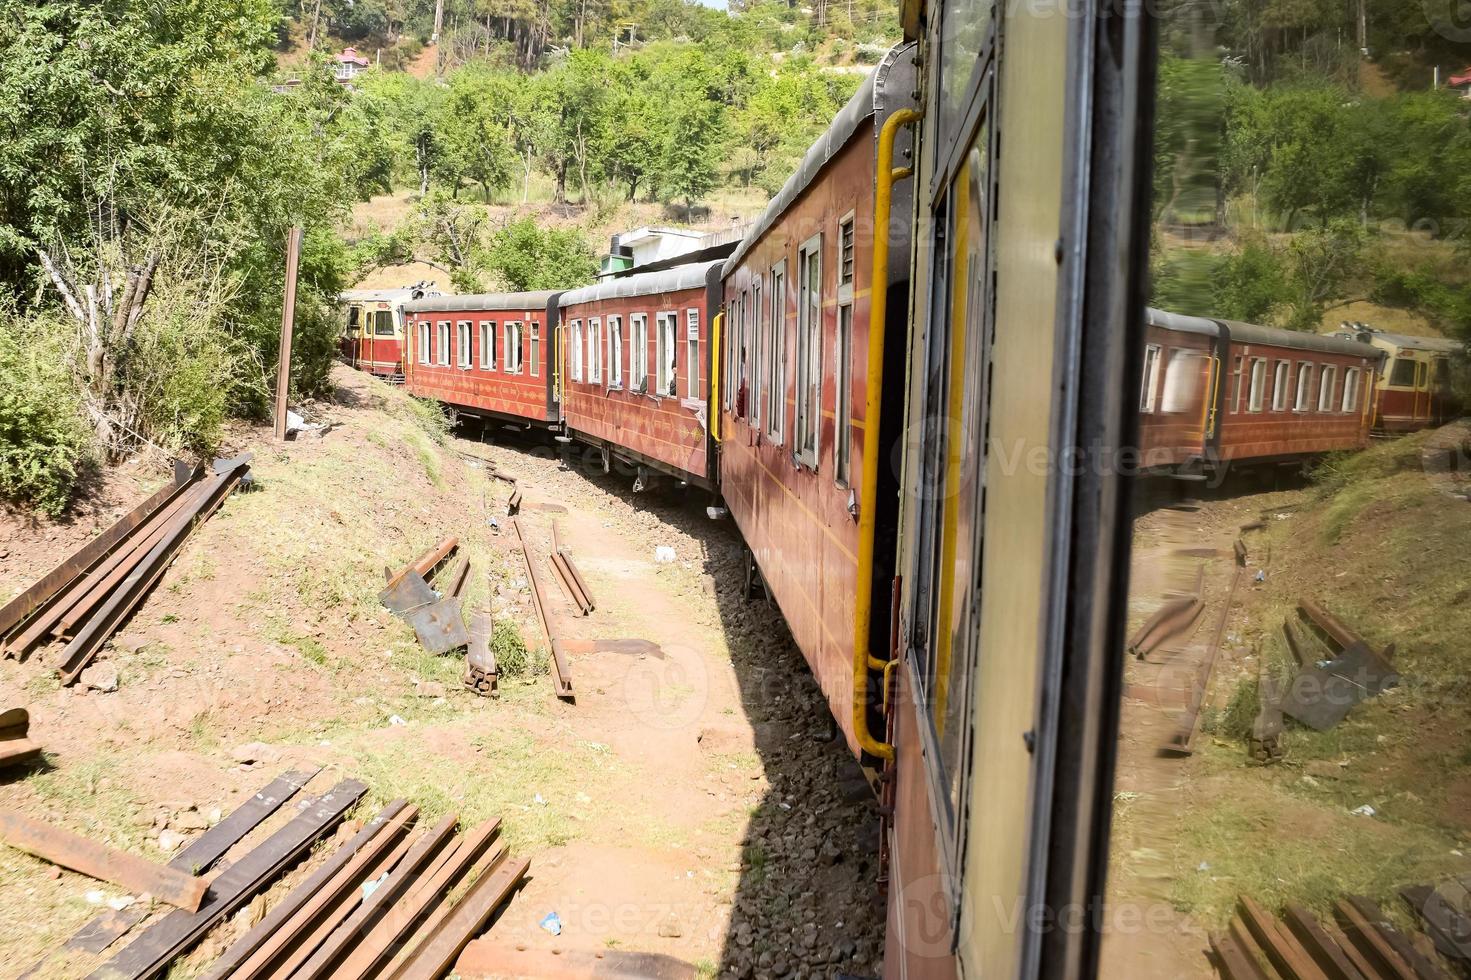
<point>512,658</point>
<point>45,442</point>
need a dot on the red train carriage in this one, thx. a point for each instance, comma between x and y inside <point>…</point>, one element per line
<point>1218,391</point>
<point>634,368</point>
<point>485,355</point>
<point>372,335</point>
<point>793,376</point>
<point>1414,389</point>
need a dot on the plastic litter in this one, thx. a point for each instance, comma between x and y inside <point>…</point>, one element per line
<point>1364,811</point>
<point>552,923</point>
<point>663,554</point>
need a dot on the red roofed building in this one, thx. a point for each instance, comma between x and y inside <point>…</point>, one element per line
<point>349,65</point>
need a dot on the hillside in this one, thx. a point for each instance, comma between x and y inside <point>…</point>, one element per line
<point>663,794</point>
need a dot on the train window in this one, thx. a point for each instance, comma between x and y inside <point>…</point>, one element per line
<point>513,347</point>
<point>1304,397</point>
<point>383,323</point>
<point>843,388</point>
<point>576,350</point>
<point>1402,374</point>
<point>964,25</point>
<point>443,341</point>
<point>1350,390</point>
<point>615,352</point>
<point>1279,387</point>
<point>692,358</point>
<point>664,380</point>
<point>809,350</point>
<point>1151,378</point>
<point>1236,384</point>
<point>1326,383</point>
<point>463,353</point>
<point>1182,381</point>
<point>534,354</point>
<point>728,345</point>
<point>423,341</point>
<point>755,343</point>
<point>639,377</point>
<point>1258,384</point>
<point>845,251</point>
<point>1441,368</point>
<point>594,349</point>
<point>487,345</point>
<point>776,391</point>
<point>353,321</point>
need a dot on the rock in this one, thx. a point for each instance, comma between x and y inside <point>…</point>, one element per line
<point>100,677</point>
<point>169,841</point>
<point>670,928</point>
<point>430,689</point>
<point>190,819</point>
<point>214,816</point>
<point>253,752</point>
<point>53,873</point>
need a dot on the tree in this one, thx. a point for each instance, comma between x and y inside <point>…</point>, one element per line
<point>527,257</point>
<point>692,147</point>
<point>473,131</point>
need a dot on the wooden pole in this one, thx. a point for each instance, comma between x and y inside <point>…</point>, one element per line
<point>288,320</point>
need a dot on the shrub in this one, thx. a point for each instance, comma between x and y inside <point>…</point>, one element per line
<point>45,442</point>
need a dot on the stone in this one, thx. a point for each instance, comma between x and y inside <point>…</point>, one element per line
<point>100,677</point>
<point>430,689</point>
<point>670,928</point>
<point>253,752</point>
<point>169,841</point>
<point>190,819</point>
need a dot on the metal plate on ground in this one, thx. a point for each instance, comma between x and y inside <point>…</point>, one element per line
<point>439,625</point>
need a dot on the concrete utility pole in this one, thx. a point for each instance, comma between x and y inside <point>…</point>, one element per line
<point>438,20</point>
<point>288,321</point>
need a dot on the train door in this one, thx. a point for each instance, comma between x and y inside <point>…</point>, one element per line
<point>348,342</point>
<point>1010,547</point>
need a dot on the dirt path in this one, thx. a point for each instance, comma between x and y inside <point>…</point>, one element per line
<point>688,803</point>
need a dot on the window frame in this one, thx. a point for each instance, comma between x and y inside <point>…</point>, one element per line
<point>639,352</point>
<point>442,336</point>
<point>777,389</point>
<point>1327,385</point>
<point>615,351</point>
<point>1302,395</point>
<point>1149,383</point>
<point>533,349</point>
<point>464,352</point>
<point>594,360</point>
<point>576,327</point>
<point>1237,374</point>
<point>512,354</point>
<point>1256,400</point>
<point>1281,380</point>
<point>843,355</point>
<point>424,338</point>
<point>1349,400</point>
<point>809,361</point>
<point>693,392</point>
<point>488,345</point>
<point>666,353</point>
<point>753,384</point>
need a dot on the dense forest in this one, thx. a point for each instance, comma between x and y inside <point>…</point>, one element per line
<point>155,154</point>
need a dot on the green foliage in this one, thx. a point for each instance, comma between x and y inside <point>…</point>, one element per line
<point>45,444</point>
<point>525,256</point>
<point>512,658</point>
<point>1251,284</point>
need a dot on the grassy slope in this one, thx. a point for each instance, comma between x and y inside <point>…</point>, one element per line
<point>1383,545</point>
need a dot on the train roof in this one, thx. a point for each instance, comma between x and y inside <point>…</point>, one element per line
<point>1254,333</point>
<point>871,98</point>
<point>691,276</point>
<point>537,300</point>
<point>1439,345</point>
<point>375,295</point>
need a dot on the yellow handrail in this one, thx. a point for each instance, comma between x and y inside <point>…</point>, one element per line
<point>716,322</point>
<point>877,309</point>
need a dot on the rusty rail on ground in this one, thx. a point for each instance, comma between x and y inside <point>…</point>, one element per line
<point>561,674</point>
